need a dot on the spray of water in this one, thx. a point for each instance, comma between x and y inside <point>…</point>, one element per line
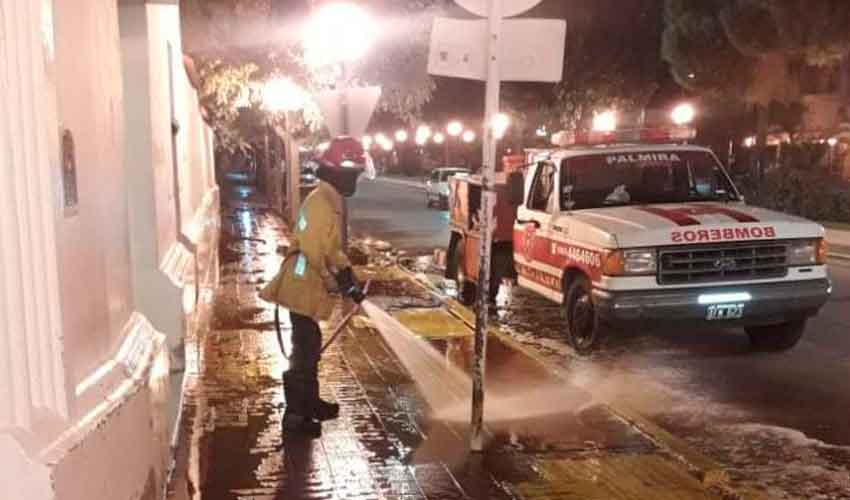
<point>442,384</point>
<point>448,389</point>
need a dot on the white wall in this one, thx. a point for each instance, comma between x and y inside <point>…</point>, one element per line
<point>93,243</point>
<point>95,300</point>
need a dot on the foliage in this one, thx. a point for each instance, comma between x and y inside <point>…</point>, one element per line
<point>612,58</point>
<point>241,43</point>
<point>749,48</point>
<point>800,186</point>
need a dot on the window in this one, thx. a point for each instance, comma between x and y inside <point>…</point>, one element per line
<point>543,189</point>
<point>640,178</point>
<point>435,176</point>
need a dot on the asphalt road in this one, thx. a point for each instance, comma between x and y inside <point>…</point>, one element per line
<point>397,214</point>
<point>705,386</point>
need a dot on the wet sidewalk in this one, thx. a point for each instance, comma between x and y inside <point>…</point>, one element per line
<point>545,439</point>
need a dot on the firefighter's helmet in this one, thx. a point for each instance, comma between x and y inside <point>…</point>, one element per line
<point>341,163</point>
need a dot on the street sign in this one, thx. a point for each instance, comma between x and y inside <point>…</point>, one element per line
<point>359,104</point>
<point>510,8</point>
<point>532,49</point>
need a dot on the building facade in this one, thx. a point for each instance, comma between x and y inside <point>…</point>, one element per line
<point>108,234</point>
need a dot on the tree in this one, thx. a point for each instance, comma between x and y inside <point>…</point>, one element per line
<point>754,50</point>
<point>612,57</point>
<point>241,43</point>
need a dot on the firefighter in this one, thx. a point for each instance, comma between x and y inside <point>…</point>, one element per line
<point>315,263</point>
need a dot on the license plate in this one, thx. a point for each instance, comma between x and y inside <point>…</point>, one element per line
<point>722,312</point>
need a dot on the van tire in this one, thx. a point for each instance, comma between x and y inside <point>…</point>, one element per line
<point>466,289</point>
<point>502,269</point>
<point>776,338</point>
<point>583,327</point>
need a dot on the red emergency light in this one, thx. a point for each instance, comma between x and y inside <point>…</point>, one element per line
<point>649,135</point>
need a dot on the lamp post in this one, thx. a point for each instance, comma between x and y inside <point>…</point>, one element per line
<point>339,33</point>
<point>281,95</point>
<point>454,129</point>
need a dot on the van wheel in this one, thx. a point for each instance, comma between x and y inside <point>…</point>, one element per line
<point>466,289</point>
<point>583,327</point>
<point>502,268</point>
<point>775,338</point>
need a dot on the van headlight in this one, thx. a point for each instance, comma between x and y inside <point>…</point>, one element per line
<point>631,262</point>
<point>807,252</point>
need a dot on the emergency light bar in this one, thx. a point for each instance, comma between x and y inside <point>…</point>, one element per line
<point>638,135</point>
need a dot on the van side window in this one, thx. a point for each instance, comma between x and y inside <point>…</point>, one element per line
<point>543,189</point>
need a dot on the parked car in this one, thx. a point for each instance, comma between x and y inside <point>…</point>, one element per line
<point>437,185</point>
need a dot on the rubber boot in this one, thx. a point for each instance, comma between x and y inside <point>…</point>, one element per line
<point>297,418</point>
<point>322,410</point>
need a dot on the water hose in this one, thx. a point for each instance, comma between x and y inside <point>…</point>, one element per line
<point>336,332</point>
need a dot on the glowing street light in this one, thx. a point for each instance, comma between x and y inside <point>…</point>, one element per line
<point>683,114</point>
<point>454,128</point>
<point>282,95</point>
<point>423,133</point>
<point>439,138</point>
<point>605,121</point>
<point>339,32</point>
<point>500,123</point>
<point>387,145</point>
<point>469,136</point>
<point>367,141</point>
<point>832,141</point>
<point>401,136</point>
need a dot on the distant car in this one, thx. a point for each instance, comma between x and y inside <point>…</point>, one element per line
<point>437,185</point>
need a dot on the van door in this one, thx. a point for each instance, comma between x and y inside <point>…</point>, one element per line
<point>533,233</point>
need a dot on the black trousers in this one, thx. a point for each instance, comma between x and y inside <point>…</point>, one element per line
<point>301,381</point>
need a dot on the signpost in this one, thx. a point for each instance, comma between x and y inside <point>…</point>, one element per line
<point>484,54</point>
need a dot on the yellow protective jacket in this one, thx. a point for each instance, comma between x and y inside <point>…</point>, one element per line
<point>315,255</point>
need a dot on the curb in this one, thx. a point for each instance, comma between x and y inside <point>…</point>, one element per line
<point>710,473</point>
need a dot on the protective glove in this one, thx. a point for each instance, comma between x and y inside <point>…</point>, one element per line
<point>348,286</point>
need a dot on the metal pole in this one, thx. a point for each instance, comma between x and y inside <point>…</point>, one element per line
<point>294,162</point>
<point>488,204</point>
<point>345,131</point>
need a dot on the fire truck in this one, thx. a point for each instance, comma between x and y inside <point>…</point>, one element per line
<point>638,227</point>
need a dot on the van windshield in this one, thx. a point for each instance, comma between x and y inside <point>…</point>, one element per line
<point>641,178</point>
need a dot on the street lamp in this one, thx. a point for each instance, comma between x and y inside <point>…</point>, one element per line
<point>683,114</point>
<point>282,95</point>
<point>387,145</point>
<point>423,132</point>
<point>500,124</point>
<point>401,136</point>
<point>469,136</point>
<point>367,142</point>
<point>439,138</point>
<point>605,121</point>
<point>454,128</point>
<point>338,32</point>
